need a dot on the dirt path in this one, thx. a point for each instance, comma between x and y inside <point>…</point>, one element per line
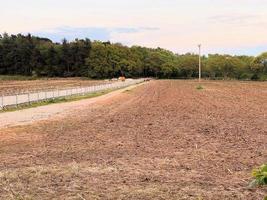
<point>27,116</point>
<point>163,140</point>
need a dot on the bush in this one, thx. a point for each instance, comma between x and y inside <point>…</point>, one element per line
<point>260,176</point>
<point>246,76</point>
<point>255,77</point>
<point>199,87</point>
<point>263,77</point>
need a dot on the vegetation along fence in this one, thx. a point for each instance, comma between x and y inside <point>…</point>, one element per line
<point>15,100</point>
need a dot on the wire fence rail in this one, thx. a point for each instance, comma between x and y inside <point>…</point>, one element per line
<point>28,98</point>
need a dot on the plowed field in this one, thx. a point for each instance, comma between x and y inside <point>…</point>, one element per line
<point>162,140</point>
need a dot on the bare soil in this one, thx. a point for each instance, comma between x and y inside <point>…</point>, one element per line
<point>11,87</point>
<point>162,140</point>
<point>50,111</point>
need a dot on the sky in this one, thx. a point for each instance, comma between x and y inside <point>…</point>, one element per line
<point>222,26</point>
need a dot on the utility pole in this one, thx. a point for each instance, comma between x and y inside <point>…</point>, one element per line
<point>199,47</point>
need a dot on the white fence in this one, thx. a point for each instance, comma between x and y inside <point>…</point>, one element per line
<point>15,100</point>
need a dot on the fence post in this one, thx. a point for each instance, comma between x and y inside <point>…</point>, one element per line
<point>2,102</point>
<point>29,98</point>
<point>16,100</point>
<point>76,90</point>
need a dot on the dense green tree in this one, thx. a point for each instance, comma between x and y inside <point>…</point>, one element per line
<point>2,67</point>
<point>224,66</point>
<point>66,58</point>
<point>97,62</point>
<point>259,67</point>
<point>260,63</point>
<point>31,55</point>
<point>80,50</point>
<point>189,65</point>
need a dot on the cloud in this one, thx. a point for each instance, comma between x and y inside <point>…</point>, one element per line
<point>245,50</point>
<point>132,30</point>
<point>94,33</point>
<point>238,19</point>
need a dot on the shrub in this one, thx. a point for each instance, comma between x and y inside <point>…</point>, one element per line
<point>260,176</point>
<point>200,87</point>
<point>246,76</point>
<point>263,77</point>
<point>255,77</point>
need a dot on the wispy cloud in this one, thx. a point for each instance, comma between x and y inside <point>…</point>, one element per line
<point>132,30</point>
<point>173,24</point>
<point>237,19</point>
<point>94,33</point>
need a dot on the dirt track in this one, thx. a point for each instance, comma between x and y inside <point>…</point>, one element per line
<point>163,140</point>
<point>30,115</point>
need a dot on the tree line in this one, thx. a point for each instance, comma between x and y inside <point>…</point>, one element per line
<point>35,56</point>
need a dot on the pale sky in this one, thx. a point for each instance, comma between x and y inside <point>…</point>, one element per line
<point>221,26</point>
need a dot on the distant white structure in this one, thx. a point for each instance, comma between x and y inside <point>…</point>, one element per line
<point>199,66</point>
